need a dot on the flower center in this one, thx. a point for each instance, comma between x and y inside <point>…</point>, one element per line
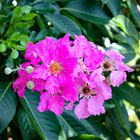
<point>107,65</point>
<point>55,67</point>
<point>86,90</point>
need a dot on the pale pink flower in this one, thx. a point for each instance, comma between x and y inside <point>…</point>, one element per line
<point>114,62</point>
<point>91,98</point>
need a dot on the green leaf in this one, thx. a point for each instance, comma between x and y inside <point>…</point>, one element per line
<point>8,103</point>
<point>20,47</point>
<point>85,137</point>
<point>126,25</point>
<point>14,54</point>
<point>63,23</point>
<point>15,36</point>
<point>27,131</point>
<point>46,124</point>
<point>29,16</point>
<point>26,9</point>
<point>43,7</point>
<point>41,35</point>
<point>113,5</point>
<point>17,13</point>
<point>130,94</point>
<point>3,47</point>
<point>88,10</point>
<point>123,38</point>
<point>119,112</point>
<point>9,62</point>
<point>134,11</point>
<point>24,39</point>
<point>82,126</point>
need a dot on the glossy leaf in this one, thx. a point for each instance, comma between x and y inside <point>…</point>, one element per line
<point>119,112</point>
<point>113,5</point>
<point>63,23</point>
<point>126,25</point>
<point>28,133</point>
<point>88,10</point>
<point>130,94</point>
<point>82,126</point>
<point>134,11</point>
<point>85,137</point>
<point>8,104</point>
<point>29,16</point>
<point>45,124</point>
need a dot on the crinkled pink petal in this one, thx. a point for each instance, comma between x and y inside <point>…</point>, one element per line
<point>81,109</point>
<point>19,86</point>
<point>68,92</point>
<point>56,104</point>
<point>95,105</point>
<point>40,72</point>
<point>44,102</point>
<point>117,78</point>
<point>46,50</point>
<point>97,76</point>
<point>114,55</point>
<point>52,85</point>
<point>39,85</point>
<point>79,47</point>
<point>105,90</point>
<point>123,67</point>
<point>93,58</point>
<point>31,54</point>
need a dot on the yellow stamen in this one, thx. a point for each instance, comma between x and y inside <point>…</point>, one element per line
<point>55,68</point>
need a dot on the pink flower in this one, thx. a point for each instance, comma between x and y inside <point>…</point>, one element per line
<point>91,98</point>
<point>114,62</point>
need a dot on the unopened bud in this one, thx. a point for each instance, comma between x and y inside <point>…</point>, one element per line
<point>8,71</point>
<point>30,85</point>
<point>29,69</point>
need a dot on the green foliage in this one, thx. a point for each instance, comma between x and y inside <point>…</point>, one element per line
<point>32,20</point>
<point>8,103</point>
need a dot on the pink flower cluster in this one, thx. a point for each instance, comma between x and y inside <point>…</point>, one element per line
<point>67,71</point>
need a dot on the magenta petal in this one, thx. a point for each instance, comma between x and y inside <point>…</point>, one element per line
<point>117,78</point>
<point>44,102</point>
<point>56,104</point>
<point>81,109</point>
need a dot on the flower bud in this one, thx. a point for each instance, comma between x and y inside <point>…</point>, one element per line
<point>8,71</point>
<point>30,85</point>
<point>29,69</point>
